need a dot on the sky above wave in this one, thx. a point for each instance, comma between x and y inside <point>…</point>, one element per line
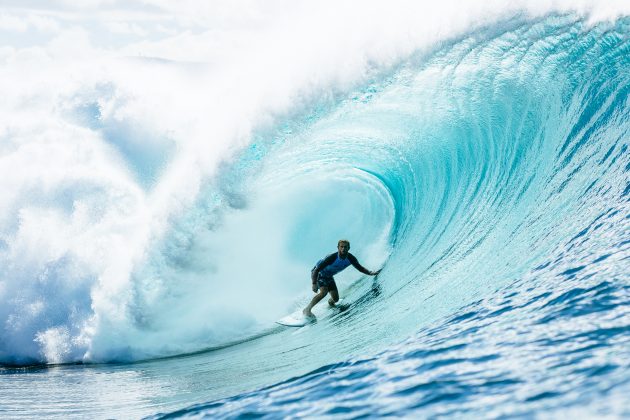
<point>189,30</point>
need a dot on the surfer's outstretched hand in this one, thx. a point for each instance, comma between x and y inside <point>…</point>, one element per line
<point>315,287</point>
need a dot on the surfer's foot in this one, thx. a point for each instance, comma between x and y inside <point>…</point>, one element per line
<point>308,314</point>
<point>331,302</point>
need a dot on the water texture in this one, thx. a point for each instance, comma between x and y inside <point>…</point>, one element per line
<point>489,176</point>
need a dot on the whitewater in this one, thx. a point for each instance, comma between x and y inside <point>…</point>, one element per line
<point>171,173</point>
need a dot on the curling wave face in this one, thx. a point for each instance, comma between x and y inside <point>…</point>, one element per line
<point>505,158</point>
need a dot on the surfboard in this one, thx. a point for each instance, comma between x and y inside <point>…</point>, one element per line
<point>297,318</point>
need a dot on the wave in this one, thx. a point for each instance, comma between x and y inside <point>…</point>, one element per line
<point>504,156</point>
<point>128,233</point>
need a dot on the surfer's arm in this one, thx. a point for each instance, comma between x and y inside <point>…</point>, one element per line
<point>355,264</point>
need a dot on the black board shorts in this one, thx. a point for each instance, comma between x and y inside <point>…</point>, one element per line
<point>327,282</point>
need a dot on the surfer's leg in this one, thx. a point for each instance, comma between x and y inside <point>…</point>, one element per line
<point>334,297</point>
<point>323,291</point>
<point>334,293</point>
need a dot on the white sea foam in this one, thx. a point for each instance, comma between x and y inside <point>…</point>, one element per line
<point>113,124</point>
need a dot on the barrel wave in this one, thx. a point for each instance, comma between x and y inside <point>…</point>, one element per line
<point>504,156</point>
<point>489,176</point>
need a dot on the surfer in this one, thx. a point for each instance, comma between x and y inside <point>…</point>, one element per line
<point>323,272</point>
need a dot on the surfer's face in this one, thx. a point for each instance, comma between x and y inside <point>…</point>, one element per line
<point>343,249</point>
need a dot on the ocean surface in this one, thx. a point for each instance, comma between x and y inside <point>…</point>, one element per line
<point>144,258</point>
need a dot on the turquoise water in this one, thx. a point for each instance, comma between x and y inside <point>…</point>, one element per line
<point>489,177</point>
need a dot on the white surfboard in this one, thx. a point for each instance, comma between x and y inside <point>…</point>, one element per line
<point>298,319</point>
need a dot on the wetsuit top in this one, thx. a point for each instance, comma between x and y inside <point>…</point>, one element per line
<point>332,264</point>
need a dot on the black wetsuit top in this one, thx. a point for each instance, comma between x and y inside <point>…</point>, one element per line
<point>333,264</point>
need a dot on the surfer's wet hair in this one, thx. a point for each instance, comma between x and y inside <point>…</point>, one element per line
<point>343,241</point>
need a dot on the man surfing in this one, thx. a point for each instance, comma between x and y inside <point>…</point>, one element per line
<point>323,272</point>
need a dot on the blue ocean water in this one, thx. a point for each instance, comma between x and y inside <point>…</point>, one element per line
<point>489,177</point>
